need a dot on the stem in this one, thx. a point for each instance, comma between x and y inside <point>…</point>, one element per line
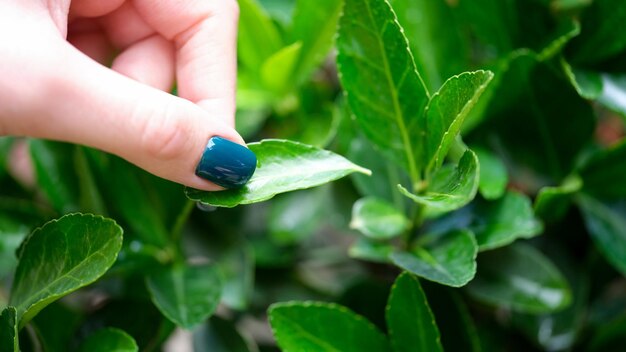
<point>181,220</point>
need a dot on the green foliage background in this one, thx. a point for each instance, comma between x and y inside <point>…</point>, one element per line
<point>479,205</point>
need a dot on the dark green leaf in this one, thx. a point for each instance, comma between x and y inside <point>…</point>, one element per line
<point>296,216</point>
<point>520,278</point>
<point>383,88</point>
<point>367,249</point>
<point>109,340</point>
<point>310,326</point>
<point>609,337</point>
<point>604,173</point>
<point>451,187</point>
<point>8,330</point>
<point>187,295</point>
<point>410,322</point>
<point>449,260</point>
<point>52,335</point>
<point>284,166</point>
<point>61,257</point>
<point>493,175</point>
<point>258,36</point>
<point>12,233</point>
<point>552,203</point>
<point>219,335</point>
<point>236,265</point>
<point>378,219</point>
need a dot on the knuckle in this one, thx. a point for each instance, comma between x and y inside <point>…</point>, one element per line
<point>230,7</point>
<point>164,137</point>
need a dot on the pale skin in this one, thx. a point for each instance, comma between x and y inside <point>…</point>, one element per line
<point>54,83</point>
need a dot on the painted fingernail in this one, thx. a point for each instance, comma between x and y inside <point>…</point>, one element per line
<point>227,164</point>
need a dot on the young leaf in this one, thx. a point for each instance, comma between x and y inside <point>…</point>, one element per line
<point>451,187</point>
<point>219,335</point>
<point>311,326</point>
<point>450,260</point>
<point>109,340</point>
<point>607,227</point>
<point>520,278</point>
<point>61,257</point>
<point>276,70</point>
<point>604,173</point>
<point>501,222</point>
<point>258,36</point>
<point>383,88</point>
<point>446,112</point>
<point>186,295</point>
<point>8,330</point>
<point>410,322</point>
<point>378,219</point>
<point>283,166</point>
<point>493,175</point>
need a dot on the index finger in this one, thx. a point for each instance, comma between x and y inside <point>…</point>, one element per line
<point>205,36</point>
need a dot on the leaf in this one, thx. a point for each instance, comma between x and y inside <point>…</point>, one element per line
<point>378,219</point>
<point>295,217</point>
<point>552,203</point>
<point>609,337</point>
<point>258,36</point>
<point>446,112</point>
<point>607,227</point>
<point>520,278</point>
<point>603,174</point>
<point>109,340</point>
<point>608,89</point>
<point>371,250</point>
<point>501,222</point>
<point>8,330</point>
<point>493,175</point>
<point>382,86</point>
<point>451,187</point>
<point>283,166</point>
<point>236,265</point>
<point>219,335</point>
<point>450,260</point>
<point>313,326</point>
<point>276,71</point>
<point>61,257</point>
<point>410,321</point>
<point>52,335</point>
<point>186,295</point>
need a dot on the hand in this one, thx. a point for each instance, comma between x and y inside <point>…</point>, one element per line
<point>54,85</point>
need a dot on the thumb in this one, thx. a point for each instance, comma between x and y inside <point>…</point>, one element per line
<point>89,104</point>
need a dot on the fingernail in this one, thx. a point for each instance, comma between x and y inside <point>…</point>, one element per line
<point>226,164</point>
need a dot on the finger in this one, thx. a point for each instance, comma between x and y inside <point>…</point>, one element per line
<point>93,8</point>
<point>88,104</point>
<point>88,37</point>
<point>149,61</point>
<point>125,27</point>
<point>205,35</point>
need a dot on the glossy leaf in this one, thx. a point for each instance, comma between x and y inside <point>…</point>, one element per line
<point>603,174</point>
<point>449,260</point>
<point>8,330</point>
<point>383,88</point>
<point>378,219</point>
<point>451,187</point>
<point>61,257</point>
<point>283,166</point>
<point>311,326</point>
<point>258,36</point>
<point>503,221</point>
<point>186,295</point>
<point>219,335</point>
<point>109,340</point>
<point>410,322</point>
<point>520,278</point>
<point>607,227</point>
<point>493,175</point>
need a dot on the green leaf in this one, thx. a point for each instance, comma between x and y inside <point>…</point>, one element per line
<point>383,88</point>
<point>493,175</point>
<point>608,89</point>
<point>520,278</point>
<point>219,335</point>
<point>410,321</point>
<point>371,250</point>
<point>8,330</point>
<point>604,173</point>
<point>276,71</point>
<point>607,227</point>
<point>61,257</point>
<point>295,216</point>
<point>552,203</point>
<point>236,265</point>
<point>378,219</point>
<point>312,326</point>
<point>446,112</point>
<point>52,335</point>
<point>449,260</point>
<point>501,222</point>
<point>109,340</point>
<point>258,37</point>
<point>451,187</point>
<point>186,295</point>
<point>283,166</point>
<point>609,337</point>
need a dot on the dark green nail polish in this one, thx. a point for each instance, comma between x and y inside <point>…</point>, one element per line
<point>227,164</point>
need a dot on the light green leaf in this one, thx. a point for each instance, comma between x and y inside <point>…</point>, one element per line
<point>446,112</point>
<point>283,166</point>
<point>410,322</point>
<point>607,227</point>
<point>520,278</point>
<point>604,173</point>
<point>258,37</point>
<point>493,175</point>
<point>8,330</point>
<point>219,335</point>
<point>501,222</point>
<point>186,294</point>
<point>312,326</point>
<point>61,257</point>
<point>383,88</point>
<point>378,219</point>
<point>449,260</point>
<point>371,250</point>
<point>276,71</point>
<point>451,187</point>
<point>109,340</point>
